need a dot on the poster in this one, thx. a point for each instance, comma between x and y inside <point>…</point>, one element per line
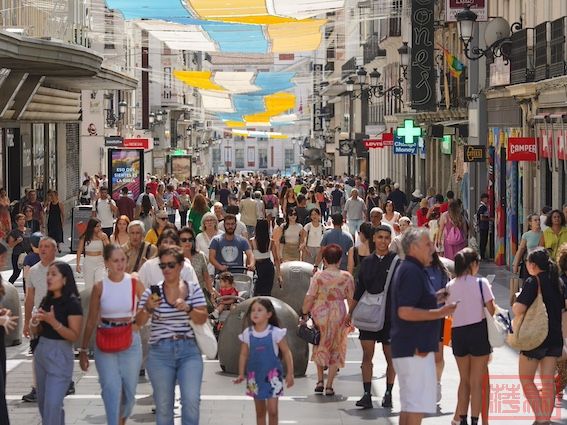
<point>181,167</point>
<point>126,169</point>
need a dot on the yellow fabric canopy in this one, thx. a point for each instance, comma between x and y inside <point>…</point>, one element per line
<point>199,79</point>
<point>238,11</point>
<point>276,104</point>
<point>296,36</point>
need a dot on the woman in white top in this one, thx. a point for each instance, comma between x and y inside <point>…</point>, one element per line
<point>92,243</point>
<point>289,237</point>
<point>114,301</point>
<point>391,216</point>
<point>209,229</point>
<point>120,234</point>
<point>469,334</point>
<point>314,231</point>
<point>263,249</point>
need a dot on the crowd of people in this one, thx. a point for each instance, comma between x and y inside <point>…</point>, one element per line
<point>149,266</point>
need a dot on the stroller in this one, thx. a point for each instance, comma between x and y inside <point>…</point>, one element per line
<point>244,284</point>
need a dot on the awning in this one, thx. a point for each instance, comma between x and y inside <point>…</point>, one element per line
<point>452,123</point>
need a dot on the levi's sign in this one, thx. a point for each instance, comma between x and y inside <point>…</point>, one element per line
<point>475,153</point>
<point>402,148</point>
<point>373,144</point>
<point>522,149</point>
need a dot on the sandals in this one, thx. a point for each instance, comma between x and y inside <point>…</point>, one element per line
<point>329,391</point>
<point>319,387</point>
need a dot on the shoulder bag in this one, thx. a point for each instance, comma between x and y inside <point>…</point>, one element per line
<point>498,326</point>
<point>370,311</point>
<point>311,335</point>
<point>204,335</point>
<point>116,338</point>
<point>531,328</point>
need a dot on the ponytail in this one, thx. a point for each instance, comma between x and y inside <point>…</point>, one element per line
<point>554,275</point>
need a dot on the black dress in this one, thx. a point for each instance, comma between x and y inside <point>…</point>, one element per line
<point>54,226</point>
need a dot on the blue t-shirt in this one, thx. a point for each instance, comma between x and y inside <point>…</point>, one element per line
<point>411,287</point>
<point>343,239</point>
<point>230,252</point>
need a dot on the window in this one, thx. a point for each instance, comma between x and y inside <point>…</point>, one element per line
<point>239,158</point>
<point>289,158</point>
<point>262,158</point>
<point>228,156</point>
<point>166,82</point>
<point>216,157</point>
<point>109,31</point>
<point>38,165</point>
<point>52,149</point>
<point>251,156</point>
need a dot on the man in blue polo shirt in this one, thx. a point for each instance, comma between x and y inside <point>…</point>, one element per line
<point>415,328</point>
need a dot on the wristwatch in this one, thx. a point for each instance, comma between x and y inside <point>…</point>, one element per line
<point>190,309</point>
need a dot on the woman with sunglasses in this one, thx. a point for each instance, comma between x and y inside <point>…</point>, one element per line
<point>112,305</point>
<point>174,357</point>
<point>198,261</point>
<point>158,226</point>
<point>289,237</point>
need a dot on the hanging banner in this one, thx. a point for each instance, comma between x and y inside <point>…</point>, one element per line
<point>480,7</point>
<point>474,153</point>
<point>402,148</point>
<point>545,143</point>
<point>522,149</point>
<point>561,144</point>
<point>126,169</point>
<point>422,64</point>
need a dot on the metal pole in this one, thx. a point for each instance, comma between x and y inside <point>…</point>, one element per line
<point>350,129</point>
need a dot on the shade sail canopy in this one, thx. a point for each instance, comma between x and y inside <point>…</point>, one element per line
<point>217,102</point>
<point>236,82</point>
<point>276,104</point>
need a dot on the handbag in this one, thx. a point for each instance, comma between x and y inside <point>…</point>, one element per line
<point>311,335</point>
<point>498,326</point>
<point>531,328</point>
<point>370,311</point>
<point>117,338</point>
<point>204,336</point>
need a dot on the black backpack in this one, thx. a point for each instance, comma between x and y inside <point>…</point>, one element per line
<point>270,204</point>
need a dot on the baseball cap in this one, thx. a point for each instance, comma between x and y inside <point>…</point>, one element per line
<point>35,238</point>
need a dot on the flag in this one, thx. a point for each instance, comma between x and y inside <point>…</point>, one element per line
<point>455,65</point>
<point>300,109</point>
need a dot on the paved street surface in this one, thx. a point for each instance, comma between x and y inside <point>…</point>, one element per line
<point>224,403</point>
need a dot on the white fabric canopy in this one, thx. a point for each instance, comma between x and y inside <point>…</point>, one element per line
<point>217,102</point>
<point>236,82</point>
<point>302,9</point>
<point>178,36</point>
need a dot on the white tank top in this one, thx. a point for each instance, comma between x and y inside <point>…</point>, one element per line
<point>116,298</point>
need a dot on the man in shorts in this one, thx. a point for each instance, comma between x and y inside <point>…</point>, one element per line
<point>415,328</point>
<point>372,278</point>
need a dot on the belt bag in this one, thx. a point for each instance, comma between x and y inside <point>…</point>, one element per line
<point>117,338</point>
<point>370,311</point>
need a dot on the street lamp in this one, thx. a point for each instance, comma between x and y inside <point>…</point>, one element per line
<point>404,58</point>
<point>373,88</point>
<point>497,35</point>
<point>152,118</point>
<point>159,116</point>
<point>122,106</point>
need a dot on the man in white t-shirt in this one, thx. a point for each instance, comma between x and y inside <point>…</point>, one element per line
<point>36,290</point>
<point>104,208</point>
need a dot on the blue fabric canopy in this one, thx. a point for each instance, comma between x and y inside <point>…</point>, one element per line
<point>273,82</point>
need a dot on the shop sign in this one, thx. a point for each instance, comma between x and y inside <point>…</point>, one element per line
<point>113,141</point>
<point>474,153</point>
<point>345,148</point>
<point>402,148</point>
<point>480,7</point>
<point>522,149</point>
<point>388,139</point>
<point>137,143</point>
<point>373,144</point>
<point>423,73</point>
<point>446,144</point>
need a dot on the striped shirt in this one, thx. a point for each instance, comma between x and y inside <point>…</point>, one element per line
<point>167,321</point>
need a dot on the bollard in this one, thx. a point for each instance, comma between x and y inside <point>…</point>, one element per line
<point>229,344</point>
<point>296,279</point>
<point>11,301</point>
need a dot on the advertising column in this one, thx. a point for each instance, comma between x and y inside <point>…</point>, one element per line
<point>126,169</point>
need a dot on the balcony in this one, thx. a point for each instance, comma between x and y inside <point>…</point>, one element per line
<point>558,59</point>
<point>521,69</point>
<point>542,51</point>
<point>372,50</point>
<point>348,68</point>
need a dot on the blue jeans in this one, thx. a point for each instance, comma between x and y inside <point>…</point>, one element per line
<point>53,362</point>
<point>171,361</point>
<point>118,376</point>
<point>353,226</point>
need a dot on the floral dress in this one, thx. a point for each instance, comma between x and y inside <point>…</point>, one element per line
<point>331,288</point>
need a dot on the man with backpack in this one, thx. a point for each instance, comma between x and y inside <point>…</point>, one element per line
<point>104,208</point>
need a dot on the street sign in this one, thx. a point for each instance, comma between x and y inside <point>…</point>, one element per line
<point>402,148</point>
<point>522,149</point>
<point>475,153</point>
<point>480,7</point>
<point>373,144</point>
<point>408,132</point>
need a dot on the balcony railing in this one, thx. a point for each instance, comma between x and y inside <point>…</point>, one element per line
<point>371,49</point>
<point>521,70</point>
<point>349,67</point>
<point>541,51</point>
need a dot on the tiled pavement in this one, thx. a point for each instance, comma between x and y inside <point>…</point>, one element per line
<point>224,403</point>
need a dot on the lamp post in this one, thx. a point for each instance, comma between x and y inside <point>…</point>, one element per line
<point>122,108</point>
<point>404,59</point>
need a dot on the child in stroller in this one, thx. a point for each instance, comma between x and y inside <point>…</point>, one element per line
<point>228,290</point>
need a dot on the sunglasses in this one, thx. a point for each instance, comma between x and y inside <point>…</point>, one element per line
<point>171,265</point>
<point>185,240</point>
<point>293,215</point>
<point>162,218</point>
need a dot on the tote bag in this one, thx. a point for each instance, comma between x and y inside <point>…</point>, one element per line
<point>530,329</point>
<point>204,335</point>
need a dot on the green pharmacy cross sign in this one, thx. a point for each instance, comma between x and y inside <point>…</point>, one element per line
<point>408,132</point>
